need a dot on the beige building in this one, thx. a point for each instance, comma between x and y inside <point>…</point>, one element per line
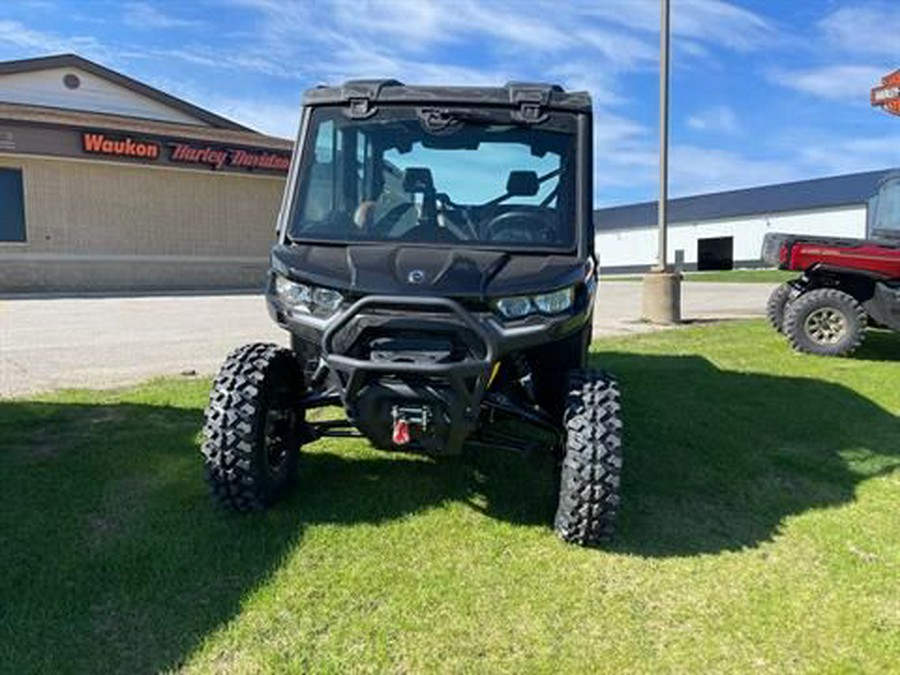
<point>107,184</point>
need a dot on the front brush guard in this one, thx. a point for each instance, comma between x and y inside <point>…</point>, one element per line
<point>467,378</point>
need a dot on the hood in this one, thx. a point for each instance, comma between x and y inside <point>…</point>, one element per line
<point>418,270</point>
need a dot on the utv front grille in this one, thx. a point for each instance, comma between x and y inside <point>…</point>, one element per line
<point>374,332</point>
<point>439,322</point>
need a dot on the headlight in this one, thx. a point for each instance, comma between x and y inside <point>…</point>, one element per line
<point>514,308</point>
<point>303,299</point>
<point>292,294</point>
<point>327,299</point>
<point>554,302</point>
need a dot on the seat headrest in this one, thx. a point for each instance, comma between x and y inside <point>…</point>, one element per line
<point>418,179</point>
<point>523,184</point>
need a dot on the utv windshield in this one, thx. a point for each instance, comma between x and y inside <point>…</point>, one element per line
<point>433,176</point>
<point>884,209</point>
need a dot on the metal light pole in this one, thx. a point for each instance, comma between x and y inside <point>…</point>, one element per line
<point>662,210</point>
<point>661,292</point>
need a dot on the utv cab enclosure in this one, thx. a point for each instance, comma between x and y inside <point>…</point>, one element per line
<point>845,283</point>
<point>434,267</point>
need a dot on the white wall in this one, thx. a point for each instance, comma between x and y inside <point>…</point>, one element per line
<point>637,247</point>
<point>46,88</point>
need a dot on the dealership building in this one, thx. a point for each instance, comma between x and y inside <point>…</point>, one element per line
<point>107,184</point>
<point>725,230</point>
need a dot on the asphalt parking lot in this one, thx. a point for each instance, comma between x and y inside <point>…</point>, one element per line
<point>53,343</point>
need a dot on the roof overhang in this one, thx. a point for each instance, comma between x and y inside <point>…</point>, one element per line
<point>79,62</point>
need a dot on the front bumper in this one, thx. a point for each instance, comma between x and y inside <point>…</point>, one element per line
<point>452,389</point>
<point>505,336</point>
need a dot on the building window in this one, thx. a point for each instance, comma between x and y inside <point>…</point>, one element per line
<point>12,206</point>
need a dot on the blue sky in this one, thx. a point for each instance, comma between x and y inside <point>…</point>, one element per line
<point>762,91</point>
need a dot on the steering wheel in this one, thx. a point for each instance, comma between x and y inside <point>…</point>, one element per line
<point>523,226</point>
<point>384,224</point>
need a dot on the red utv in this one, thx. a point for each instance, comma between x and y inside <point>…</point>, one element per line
<point>845,285</point>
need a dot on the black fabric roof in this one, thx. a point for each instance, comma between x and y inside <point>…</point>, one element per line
<point>75,61</point>
<point>818,193</point>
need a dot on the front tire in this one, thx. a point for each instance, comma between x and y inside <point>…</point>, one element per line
<point>826,321</point>
<point>775,307</point>
<point>252,427</point>
<point>592,464</point>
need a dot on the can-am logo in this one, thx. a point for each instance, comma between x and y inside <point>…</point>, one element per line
<point>887,94</point>
<point>416,276</point>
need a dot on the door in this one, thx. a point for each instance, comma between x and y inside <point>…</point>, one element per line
<point>715,253</point>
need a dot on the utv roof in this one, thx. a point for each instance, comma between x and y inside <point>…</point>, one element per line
<point>512,94</point>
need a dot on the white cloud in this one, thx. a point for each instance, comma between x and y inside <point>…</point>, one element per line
<point>794,156</point>
<point>853,38</point>
<point>232,61</point>
<point>721,23</point>
<point>720,119</point>
<point>708,21</point>
<point>145,15</point>
<point>416,25</point>
<point>276,118</point>
<point>695,170</point>
<point>15,35</point>
<point>865,28</point>
<point>618,48</point>
<point>39,5</point>
<point>847,83</point>
<point>849,155</point>
<point>616,35</point>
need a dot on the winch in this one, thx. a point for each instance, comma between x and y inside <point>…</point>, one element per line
<point>409,420</point>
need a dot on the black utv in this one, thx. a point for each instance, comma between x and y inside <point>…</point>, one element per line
<point>435,269</point>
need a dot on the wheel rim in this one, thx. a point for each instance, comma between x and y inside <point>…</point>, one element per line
<point>826,326</point>
<point>278,427</point>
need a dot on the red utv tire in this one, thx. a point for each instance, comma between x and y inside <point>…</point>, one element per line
<point>826,321</point>
<point>776,305</point>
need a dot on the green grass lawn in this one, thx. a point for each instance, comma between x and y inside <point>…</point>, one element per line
<point>759,532</point>
<point>729,276</point>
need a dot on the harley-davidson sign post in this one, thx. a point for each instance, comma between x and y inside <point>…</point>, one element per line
<point>887,94</point>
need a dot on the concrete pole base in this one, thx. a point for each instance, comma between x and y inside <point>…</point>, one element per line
<point>661,297</point>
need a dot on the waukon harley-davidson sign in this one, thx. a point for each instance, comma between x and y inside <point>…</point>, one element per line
<point>184,152</point>
<point>887,94</point>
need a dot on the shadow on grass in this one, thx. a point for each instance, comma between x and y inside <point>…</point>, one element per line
<point>115,561</point>
<point>880,345</point>
<point>114,558</point>
<point>715,460</point>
